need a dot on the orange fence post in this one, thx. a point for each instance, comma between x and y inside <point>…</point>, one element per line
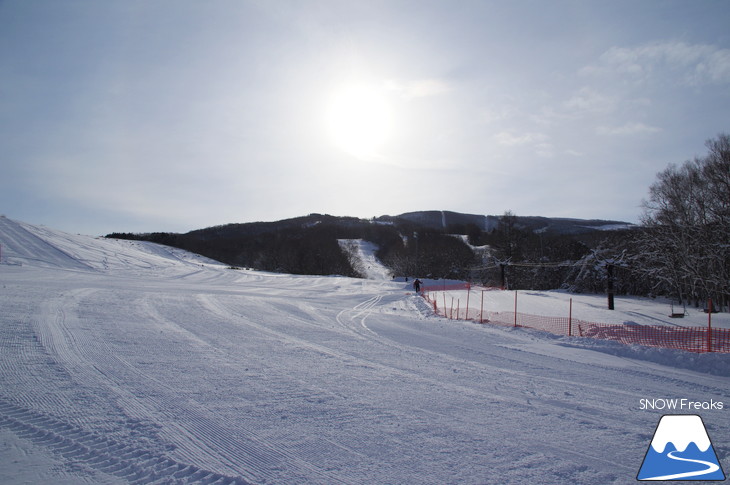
<point>709,325</point>
<point>468,293</point>
<point>570,319</point>
<point>481,311</point>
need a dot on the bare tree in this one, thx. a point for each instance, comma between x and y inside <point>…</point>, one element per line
<point>686,241</point>
<point>509,236</point>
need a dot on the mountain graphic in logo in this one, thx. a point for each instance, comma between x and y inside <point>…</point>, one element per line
<point>680,450</point>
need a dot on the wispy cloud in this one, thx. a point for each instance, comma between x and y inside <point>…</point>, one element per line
<point>545,150</point>
<point>627,129</point>
<point>538,142</point>
<point>589,101</point>
<point>574,153</point>
<point>419,88</point>
<point>692,64</point>
<point>510,139</point>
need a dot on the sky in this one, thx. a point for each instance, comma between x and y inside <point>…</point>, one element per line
<point>174,115</point>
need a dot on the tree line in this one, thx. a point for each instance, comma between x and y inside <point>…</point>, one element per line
<point>310,245</point>
<point>685,242</point>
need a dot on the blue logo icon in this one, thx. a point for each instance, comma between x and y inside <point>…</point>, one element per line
<point>680,450</point>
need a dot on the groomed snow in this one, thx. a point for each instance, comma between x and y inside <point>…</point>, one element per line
<point>126,362</point>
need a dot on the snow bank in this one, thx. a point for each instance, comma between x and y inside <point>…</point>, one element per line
<point>708,363</point>
<point>38,246</point>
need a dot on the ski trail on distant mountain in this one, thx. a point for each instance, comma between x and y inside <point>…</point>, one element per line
<point>363,253</point>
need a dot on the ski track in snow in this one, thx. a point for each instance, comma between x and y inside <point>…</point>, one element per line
<point>135,363</point>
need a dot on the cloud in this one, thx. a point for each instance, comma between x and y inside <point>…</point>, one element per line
<point>539,142</point>
<point>509,139</point>
<point>588,100</point>
<point>627,129</point>
<point>420,88</point>
<point>692,64</point>
<point>545,150</point>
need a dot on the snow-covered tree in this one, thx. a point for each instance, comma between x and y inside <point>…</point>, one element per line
<point>686,242</point>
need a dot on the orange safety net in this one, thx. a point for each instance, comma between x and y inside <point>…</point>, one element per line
<point>692,339</point>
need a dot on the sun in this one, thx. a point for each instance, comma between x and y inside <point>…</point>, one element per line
<point>359,121</point>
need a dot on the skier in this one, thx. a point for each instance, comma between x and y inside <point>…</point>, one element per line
<point>417,285</point>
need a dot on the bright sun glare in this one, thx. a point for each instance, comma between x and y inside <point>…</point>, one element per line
<point>359,121</point>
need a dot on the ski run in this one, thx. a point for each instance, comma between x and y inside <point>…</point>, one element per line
<point>129,362</point>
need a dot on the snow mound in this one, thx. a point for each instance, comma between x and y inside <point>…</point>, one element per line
<point>37,246</point>
<point>20,245</point>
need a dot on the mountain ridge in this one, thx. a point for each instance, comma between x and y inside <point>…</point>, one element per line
<point>428,219</point>
<point>410,243</point>
<point>562,225</point>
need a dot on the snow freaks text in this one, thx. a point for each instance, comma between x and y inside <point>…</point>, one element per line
<point>676,404</point>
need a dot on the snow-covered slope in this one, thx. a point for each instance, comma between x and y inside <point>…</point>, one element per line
<point>38,246</point>
<point>20,244</point>
<point>362,256</point>
<point>131,363</point>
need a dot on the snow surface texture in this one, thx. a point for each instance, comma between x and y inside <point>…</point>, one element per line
<point>128,362</point>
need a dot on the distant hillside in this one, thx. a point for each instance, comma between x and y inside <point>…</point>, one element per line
<point>414,243</point>
<point>301,245</point>
<point>444,219</point>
